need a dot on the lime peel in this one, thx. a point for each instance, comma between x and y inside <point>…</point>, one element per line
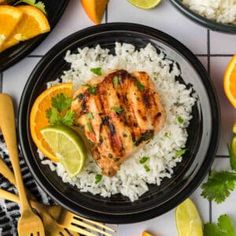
<point>188,220</point>
<point>145,4</point>
<point>67,145</point>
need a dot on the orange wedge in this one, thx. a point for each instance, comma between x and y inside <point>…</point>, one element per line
<point>95,9</point>
<point>38,119</point>
<point>230,81</point>
<point>33,23</point>
<point>145,233</point>
<point>9,19</point>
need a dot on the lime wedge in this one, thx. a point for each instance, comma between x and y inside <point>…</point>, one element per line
<point>67,145</point>
<point>188,220</point>
<point>145,4</point>
<point>232,153</point>
<point>234,128</point>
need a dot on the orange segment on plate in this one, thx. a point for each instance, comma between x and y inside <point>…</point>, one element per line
<point>33,23</point>
<point>9,18</point>
<point>95,9</point>
<point>230,81</point>
<point>38,119</point>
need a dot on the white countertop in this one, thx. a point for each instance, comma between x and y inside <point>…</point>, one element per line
<point>213,49</point>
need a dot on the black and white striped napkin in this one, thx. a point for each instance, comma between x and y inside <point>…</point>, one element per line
<point>9,211</point>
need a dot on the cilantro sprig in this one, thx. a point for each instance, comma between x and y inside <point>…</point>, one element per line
<point>59,113</point>
<point>98,178</point>
<point>224,227</point>
<point>96,70</point>
<point>40,5</point>
<point>219,186</point>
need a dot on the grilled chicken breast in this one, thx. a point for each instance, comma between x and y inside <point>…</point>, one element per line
<point>119,113</point>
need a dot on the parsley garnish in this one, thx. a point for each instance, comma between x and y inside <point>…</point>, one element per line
<point>98,178</point>
<point>180,153</point>
<point>117,110</point>
<point>90,116</point>
<point>40,5</point>
<point>219,186</point>
<point>97,70</point>
<point>116,81</point>
<point>139,85</point>
<point>180,120</point>
<point>143,160</point>
<point>60,112</point>
<point>146,167</point>
<point>224,227</point>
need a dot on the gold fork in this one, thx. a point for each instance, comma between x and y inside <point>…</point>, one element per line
<point>29,223</point>
<point>56,211</point>
<point>51,227</point>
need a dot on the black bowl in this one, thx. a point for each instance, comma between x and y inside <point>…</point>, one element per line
<point>55,9</point>
<point>203,130</point>
<point>226,28</point>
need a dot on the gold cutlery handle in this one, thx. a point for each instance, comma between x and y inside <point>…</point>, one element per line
<point>6,172</point>
<point>7,124</point>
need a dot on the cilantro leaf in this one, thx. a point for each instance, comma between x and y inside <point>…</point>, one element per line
<point>97,70</point>
<point>68,118</point>
<point>53,116</point>
<point>180,120</point>
<point>98,178</point>
<point>61,102</point>
<point>180,153</point>
<point>143,160</point>
<point>219,186</point>
<point>224,227</point>
<point>90,127</point>
<point>147,168</point>
<point>91,89</point>
<point>60,113</point>
<point>117,110</point>
<point>40,5</point>
<point>116,81</point>
<point>90,116</point>
<point>139,85</point>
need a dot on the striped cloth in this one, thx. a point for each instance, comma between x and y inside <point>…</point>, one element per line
<point>9,211</point>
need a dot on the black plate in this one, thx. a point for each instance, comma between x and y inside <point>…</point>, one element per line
<point>226,28</point>
<point>55,9</point>
<point>203,130</point>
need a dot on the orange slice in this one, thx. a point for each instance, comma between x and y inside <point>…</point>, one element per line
<point>33,23</point>
<point>9,19</point>
<point>230,81</point>
<point>95,9</point>
<point>145,233</point>
<point>38,119</point>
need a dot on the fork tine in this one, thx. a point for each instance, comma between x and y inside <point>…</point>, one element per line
<point>79,230</point>
<point>71,233</point>
<point>77,221</point>
<point>101,225</point>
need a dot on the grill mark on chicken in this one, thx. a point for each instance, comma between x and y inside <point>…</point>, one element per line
<point>126,115</point>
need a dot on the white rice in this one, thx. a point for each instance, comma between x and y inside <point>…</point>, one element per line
<point>132,179</point>
<point>222,11</point>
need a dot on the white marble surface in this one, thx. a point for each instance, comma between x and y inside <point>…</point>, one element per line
<point>195,37</point>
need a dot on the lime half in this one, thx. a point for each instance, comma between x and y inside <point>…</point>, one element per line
<point>67,145</point>
<point>188,220</point>
<point>145,4</point>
